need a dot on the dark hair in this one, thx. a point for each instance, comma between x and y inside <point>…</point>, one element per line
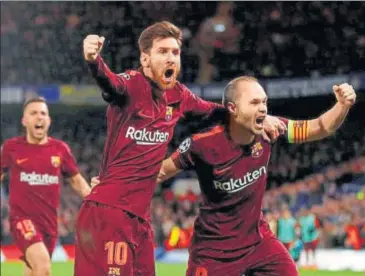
<point>229,91</point>
<point>158,30</point>
<point>34,100</point>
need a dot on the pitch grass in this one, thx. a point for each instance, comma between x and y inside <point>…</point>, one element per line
<point>66,269</point>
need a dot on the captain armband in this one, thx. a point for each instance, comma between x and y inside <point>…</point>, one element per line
<point>298,131</point>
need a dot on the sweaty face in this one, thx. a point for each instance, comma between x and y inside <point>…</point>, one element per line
<point>251,106</point>
<point>36,121</point>
<point>164,62</point>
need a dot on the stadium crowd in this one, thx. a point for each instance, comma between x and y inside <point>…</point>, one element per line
<point>41,42</point>
<point>327,177</point>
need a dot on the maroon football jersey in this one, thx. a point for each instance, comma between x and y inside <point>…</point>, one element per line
<point>232,181</point>
<point>139,127</point>
<point>34,173</point>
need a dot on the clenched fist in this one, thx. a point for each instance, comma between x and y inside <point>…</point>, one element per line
<point>345,94</point>
<point>92,46</point>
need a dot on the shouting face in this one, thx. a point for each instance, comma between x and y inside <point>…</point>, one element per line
<point>36,121</point>
<point>249,106</point>
<point>162,64</point>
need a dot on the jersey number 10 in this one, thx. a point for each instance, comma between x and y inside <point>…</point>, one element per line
<point>117,252</point>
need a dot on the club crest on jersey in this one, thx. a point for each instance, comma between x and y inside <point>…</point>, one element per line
<point>168,115</point>
<point>55,161</point>
<point>257,150</point>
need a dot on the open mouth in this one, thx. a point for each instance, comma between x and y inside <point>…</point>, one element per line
<point>168,75</point>
<point>39,126</point>
<point>260,121</point>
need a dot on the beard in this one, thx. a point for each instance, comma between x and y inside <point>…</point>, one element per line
<point>159,78</point>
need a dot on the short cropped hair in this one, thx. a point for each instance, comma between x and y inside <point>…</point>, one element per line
<point>160,30</point>
<point>34,100</point>
<point>229,91</point>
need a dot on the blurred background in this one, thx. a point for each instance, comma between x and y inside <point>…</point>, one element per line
<point>298,50</point>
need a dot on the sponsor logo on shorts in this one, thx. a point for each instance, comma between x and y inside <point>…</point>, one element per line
<point>29,235</point>
<point>38,179</point>
<point>235,185</point>
<point>146,137</point>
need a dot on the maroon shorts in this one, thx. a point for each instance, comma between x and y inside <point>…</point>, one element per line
<point>25,232</point>
<point>311,245</point>
<point>110,241</point>
<point>269,257</point>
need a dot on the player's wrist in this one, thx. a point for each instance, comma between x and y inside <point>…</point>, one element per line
<point>343,105</point>
<point>93,61</point>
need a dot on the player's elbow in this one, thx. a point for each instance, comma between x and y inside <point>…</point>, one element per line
<point>319,131</point>
<point>325,130</point>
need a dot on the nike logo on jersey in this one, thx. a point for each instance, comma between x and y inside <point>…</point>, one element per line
<point>20,161</point>
<point>143,115</point>
<point>220,171</point>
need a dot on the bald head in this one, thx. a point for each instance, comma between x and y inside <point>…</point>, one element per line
<point>230,94</point>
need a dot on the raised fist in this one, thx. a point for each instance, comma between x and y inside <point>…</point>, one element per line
<point>92,46</point>
<point>345,94</point>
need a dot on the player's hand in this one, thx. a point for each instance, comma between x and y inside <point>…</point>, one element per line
<point>95,181</point>
<point>92,46</point>
<point>273,128</point>
<point>345,94</point>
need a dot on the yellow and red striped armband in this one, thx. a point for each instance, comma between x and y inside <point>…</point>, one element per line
<point>298,131</point>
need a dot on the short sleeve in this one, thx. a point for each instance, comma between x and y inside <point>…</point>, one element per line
<point>69,167</point>
<point>183,156</point>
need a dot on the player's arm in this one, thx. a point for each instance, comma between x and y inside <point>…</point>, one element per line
<point>180,160</point>
<point>168,170</point>
<point>70,170</point>
<point>195,105</point>
<point>79,184</point>
<point>326,124</point>
<point>110,83</point>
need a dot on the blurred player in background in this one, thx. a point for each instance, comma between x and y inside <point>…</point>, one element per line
<point>113,232</point>
<point>309,225</point>
<point>286,228</point>
<point>230,235</point>
<point>297,246</point>
<point>35,163</point>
